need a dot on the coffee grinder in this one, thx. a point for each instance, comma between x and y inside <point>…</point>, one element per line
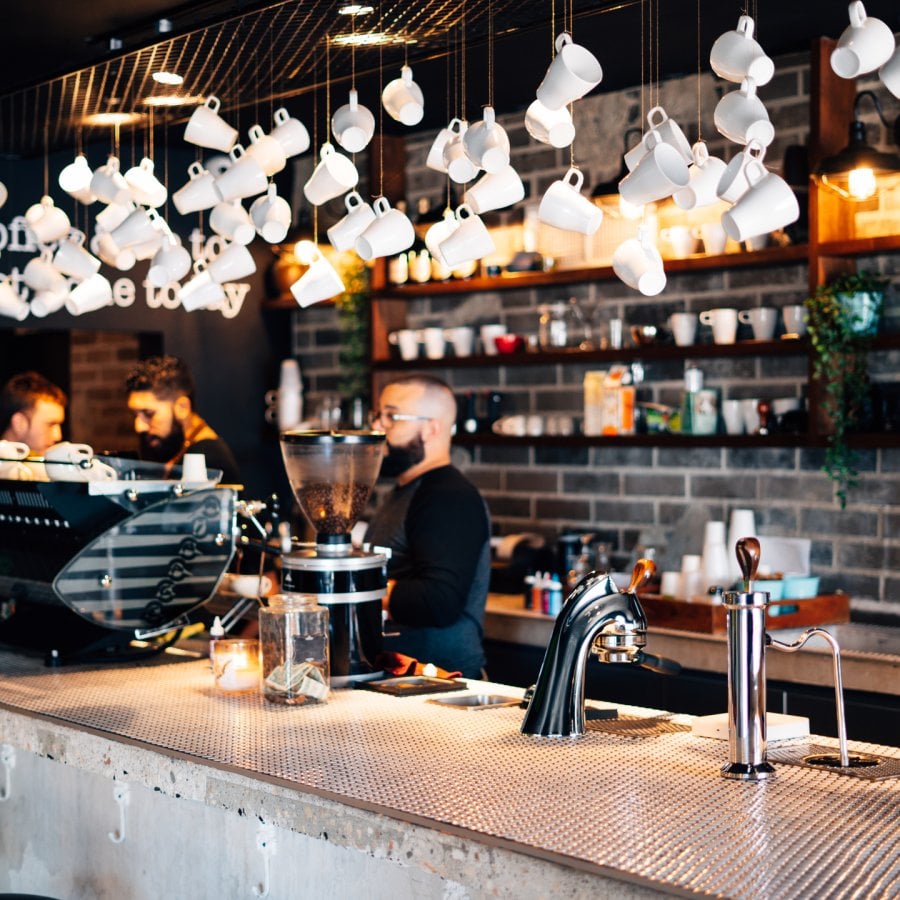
<point>332,475</point>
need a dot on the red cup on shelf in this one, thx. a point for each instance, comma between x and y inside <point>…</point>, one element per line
<point>509,343</point>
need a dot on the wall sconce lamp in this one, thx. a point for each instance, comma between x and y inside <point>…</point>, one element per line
<point>854,172</point>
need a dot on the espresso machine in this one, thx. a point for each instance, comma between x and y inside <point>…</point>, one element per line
<point>332,474</point>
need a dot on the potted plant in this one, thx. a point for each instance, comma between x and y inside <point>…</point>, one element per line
<point>843,318</point>
<point>353,322</point>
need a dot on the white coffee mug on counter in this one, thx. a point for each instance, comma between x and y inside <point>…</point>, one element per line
<point>723,321</point>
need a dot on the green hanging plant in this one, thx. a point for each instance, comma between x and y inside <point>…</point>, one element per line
<point>843,318</point>
<point>353,322</point>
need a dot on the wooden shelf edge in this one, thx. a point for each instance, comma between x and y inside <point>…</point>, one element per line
<point>661,440</point>
<point>859,246</point>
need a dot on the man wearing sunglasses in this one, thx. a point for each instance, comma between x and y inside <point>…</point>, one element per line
<point>437,527</point>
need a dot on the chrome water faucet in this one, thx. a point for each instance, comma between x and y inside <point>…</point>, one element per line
<point>597,618</point>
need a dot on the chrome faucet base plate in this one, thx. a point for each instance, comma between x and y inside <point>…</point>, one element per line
<point>868,766</point>
<point>748,772</point>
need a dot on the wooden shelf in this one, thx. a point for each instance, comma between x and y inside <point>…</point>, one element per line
<point>860,246</point>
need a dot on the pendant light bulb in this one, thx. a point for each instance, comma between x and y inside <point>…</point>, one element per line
<point>861,184</point>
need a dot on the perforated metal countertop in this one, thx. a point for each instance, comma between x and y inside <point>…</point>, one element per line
<point>648,803</point>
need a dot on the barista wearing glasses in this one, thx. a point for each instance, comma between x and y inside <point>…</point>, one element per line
<point>437,527</point>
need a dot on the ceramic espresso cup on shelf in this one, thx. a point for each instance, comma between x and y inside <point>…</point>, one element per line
<point>723,321</point>
<point>762,320</point>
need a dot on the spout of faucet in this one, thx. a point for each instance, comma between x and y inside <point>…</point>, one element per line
<point>595,614</point>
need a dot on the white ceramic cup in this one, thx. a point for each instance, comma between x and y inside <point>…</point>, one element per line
<point>193,467</point>
<point>201,291</point>
<point>865,44</point>
<point>121,258</point>
<point>334,175</point>
<point>684,328</point>
<point>170,263</point>
<point>291,133</point>
<point>44,303</point>
<point>72,259</point>
<point>435,158</point>
<point>41,275</point>
<point>762,320</point>
<point>108,184</point>
<point>638,264</point>
<point>713,236</point>
<point>47,221</point>
<point>736,55</point>
<point>149,248</point>
<point>750,411</point>
<point>438,233</point>
<point>670,584</point>
<point>461,339</point>
<point>768,204</point>
<point>200,192</point>
<point>470,240</point>
<point>319,282</point>
<point>487,144</point>
<point>889,74</point>
<point>245,177</point>
<point>733,183</point>
<point>564,206</point>
<point>434,342</point>
<point>360,215</point>
<point>705,173</point>
<point>93,293</point>
<point>794,317</point>
<point>733,416</point>
<point>232,221</point>
<point>353,125</point>
<point>488,333</point>
<point>266,150</point>
<point>12,306</point>
<point>403,100</point>
<point>233,263</point>
<point>75,180</point>
<point>661,127</point>
<point>550,126</point>
<point>495,190</point>
<point>661,172</point>
<point>140,226</point>
<point>206,128</point>
<point>145,187</point>
<point>406,340</point>
<point>723,321</point>
<point>457,162</point>
<point>271,215</point>
<point>742,117</point>
<point>573,72</point>
<point>113,215</point>
<point>681,239</point>
<point>390,232</point>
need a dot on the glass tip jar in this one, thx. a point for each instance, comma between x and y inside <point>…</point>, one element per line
<point>293,632</point>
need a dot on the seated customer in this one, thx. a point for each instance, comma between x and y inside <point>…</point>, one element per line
<point>32,411</point>
<point>437,527</point>
<point>161,396</point>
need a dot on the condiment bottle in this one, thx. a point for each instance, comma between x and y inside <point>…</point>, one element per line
<point>293,631</point>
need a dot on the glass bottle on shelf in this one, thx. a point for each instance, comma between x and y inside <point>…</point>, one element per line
<point>552,328</point>
<point>583,565</point>
<point>578,328</point>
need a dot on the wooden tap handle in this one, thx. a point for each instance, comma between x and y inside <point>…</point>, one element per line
<point>747,550</point>
<point>644,570</point>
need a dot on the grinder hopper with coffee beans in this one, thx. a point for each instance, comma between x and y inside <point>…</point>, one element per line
<point>332,474</point>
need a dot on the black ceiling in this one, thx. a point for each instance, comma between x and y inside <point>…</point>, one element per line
<point>255,54</point>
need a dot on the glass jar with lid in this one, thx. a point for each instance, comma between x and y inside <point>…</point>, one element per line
<point>552,329</point>
<point>293,633</point>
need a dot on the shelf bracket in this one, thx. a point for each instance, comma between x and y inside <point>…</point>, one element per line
<point>8,759</point>
<point>122,796</point>
<point>265,843</point>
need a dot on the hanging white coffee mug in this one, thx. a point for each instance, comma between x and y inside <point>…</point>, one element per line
<point>403,99</point>
<point>573,72</point>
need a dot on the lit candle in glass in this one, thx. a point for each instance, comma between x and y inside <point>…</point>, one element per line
<point>235,665</point>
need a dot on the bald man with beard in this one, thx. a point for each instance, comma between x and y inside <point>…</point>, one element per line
<point>437,526</point>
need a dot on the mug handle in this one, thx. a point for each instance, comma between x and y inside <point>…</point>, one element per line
<point>327,150</point>
<point>255,132</point>
<point>706,317</point>
<point>455,126</point>
<point>237,152</point>
<point>213,103</point>
<point>281,115</point>
<point>857,14</point>
<point>579,178</point>
<point>488,116</point>
<point>761,171</point>
<point>657,110</point>
<point>700,152</point>
<point>744,316</point>
<point>195,170</point>
<point>381,206</point>
<point>406,75</point>
<point>464,207</point>
<point>562,39</point>
<point>748,87</point>
<point>353,201</point>
<point>745,27</point>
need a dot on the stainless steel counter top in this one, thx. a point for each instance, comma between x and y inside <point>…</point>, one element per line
<point>870,655</point>
<point>642,801</point>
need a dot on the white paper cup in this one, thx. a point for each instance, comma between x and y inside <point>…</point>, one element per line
<point>266,150</point>
<point>403,100</point>
<point>390,233</point>
<point>638,264</point>
<point>486,143</point>
<point>200,192</point>
<point>12,306</point>
<point>733,183</point>
<point>684,328</point>
<point>353,125</point>
<point>245,177</point>
<point>75,180</point>
<point>865,44</point>
<point>742,117</point>
<point>470,240</point>
<point>319,282</point>
<point>406,340</point>
<point>767,205</point>
<point>170,263</point>
<point>291,133</point>
<point>193,467</point>
<point>495,191</point>
<point>705,173</point>
<point>145,187</point>
<point>206,128</point>
<point>232,221</point>
<point>91,294</point>
<point>736,55</point>
<point>564,206</point>
<point>573,72</point>
<point>232,264</point>
<point>550,126</point>
<point>47,221</point>
<point>360,215</point>
<point>334,175</point>
<point>762,320</point>
<point>72,259</point>
<point>723,321</point>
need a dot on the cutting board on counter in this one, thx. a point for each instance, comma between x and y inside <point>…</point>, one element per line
<point>709,618</point>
